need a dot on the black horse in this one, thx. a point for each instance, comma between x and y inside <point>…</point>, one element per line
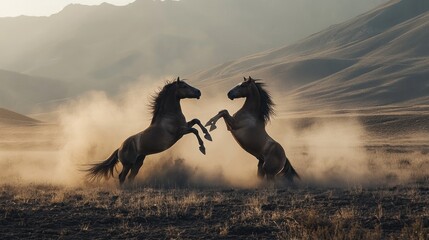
<point>167,127</point>
<point>247,126</point>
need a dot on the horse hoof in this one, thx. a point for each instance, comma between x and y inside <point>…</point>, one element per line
<point>208,137</point>
<point>203,150</point>
<point>212,127</point>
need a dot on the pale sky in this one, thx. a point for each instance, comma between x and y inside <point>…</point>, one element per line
<point>12,8</point>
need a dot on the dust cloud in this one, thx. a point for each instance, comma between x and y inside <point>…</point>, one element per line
<point>94,126</point>
<point>328,152</point>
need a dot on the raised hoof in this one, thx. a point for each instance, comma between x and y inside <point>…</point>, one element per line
<point>203,150</point>
<point>208,137</point>
<point>212,127</point>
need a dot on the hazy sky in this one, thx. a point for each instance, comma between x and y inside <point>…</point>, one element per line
<point>12,8</point>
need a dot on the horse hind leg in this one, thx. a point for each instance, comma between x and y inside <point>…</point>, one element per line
<point>125,169</point>
<point>135,168</point>
<point>273,161</point>
<point>261,171</point>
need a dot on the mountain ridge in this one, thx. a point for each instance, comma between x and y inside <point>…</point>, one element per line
<point>345,66</point>
<point>104,45</point>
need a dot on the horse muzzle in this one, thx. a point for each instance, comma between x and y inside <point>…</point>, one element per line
<point>230,95</point>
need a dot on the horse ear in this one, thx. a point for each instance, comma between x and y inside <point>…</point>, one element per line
<point>245,79</point>
<point>178,79</point>
<point>250,78</point>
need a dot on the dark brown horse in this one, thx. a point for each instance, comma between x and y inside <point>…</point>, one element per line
<point>247,126</point>
<point>167,127</point>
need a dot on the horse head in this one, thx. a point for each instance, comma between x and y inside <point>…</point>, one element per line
<point>184,90</point>
<point>242,90</point>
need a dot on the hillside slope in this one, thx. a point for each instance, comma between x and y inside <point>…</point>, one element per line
<point>23,93</point>
<point>12,118</point>
<point>377,59</point>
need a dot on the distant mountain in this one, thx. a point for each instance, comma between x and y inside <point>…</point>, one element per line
<point>12,118</point>
<point>378,59</point>
<point>24,93</point>
<point>105,46</point>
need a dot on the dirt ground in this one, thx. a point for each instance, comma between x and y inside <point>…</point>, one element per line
<point>394,207</point>
<point>44,211</point>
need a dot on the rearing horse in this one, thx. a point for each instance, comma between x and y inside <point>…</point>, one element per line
<point>168,125</point>
<point>247,126</point>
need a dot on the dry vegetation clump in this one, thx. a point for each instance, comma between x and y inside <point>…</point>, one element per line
<point>46,211</point>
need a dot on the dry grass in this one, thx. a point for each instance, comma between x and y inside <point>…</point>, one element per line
<point>45,211</point>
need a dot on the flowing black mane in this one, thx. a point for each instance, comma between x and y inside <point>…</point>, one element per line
<point>158,98</point>
<point>267,105</point>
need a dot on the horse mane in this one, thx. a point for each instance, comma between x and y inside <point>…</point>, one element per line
<point>267,104</point>
<point>159,97</point>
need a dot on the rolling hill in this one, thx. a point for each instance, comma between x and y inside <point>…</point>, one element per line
<point>379,59</point>
<point>8,117</point>
<point>106,46</point>
<point>24,93</point>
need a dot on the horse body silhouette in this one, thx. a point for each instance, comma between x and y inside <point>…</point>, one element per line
<point>247,126</point>
<point>168,125</point>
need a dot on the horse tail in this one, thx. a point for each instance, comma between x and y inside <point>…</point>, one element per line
<point>104,169</point>
<point>289,172</point>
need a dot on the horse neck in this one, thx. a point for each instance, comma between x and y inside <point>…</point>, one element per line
<point>253,101</point>
<point>170,107</point>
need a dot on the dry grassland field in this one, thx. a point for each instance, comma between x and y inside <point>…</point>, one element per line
<point>172,200</point>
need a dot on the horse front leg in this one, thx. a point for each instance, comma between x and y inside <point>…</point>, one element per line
<point>198,122</point>
<point>188,130</point>
<point>229,120</point>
